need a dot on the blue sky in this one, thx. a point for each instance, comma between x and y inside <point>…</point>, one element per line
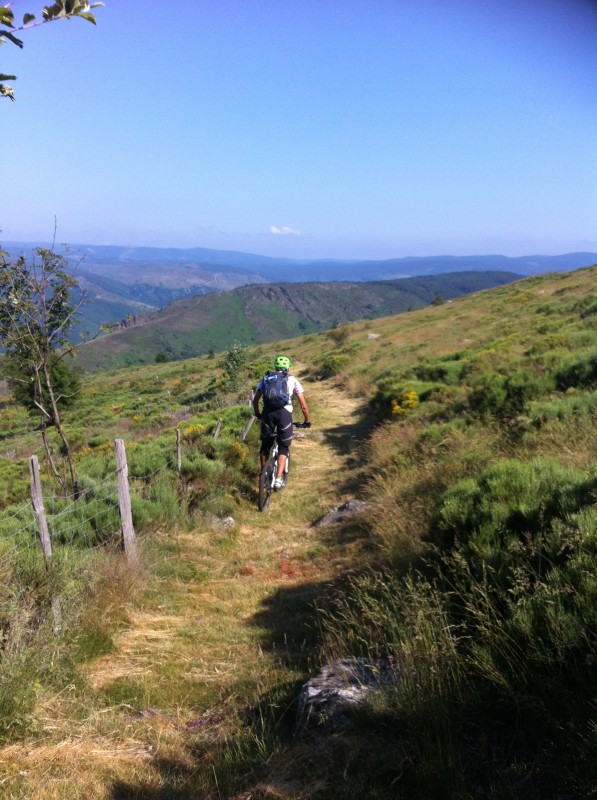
<point>307,128</point>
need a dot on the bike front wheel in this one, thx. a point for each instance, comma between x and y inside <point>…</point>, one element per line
<point>266,480</point>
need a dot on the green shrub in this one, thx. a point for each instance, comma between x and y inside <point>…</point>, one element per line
<point>159,504</point>
<point>339,335</point>
<point>395,395</point>
<point>443,370</point>
<point>195,466</point>
<point>330,365</point>
<point>495,396</point>
<point>516,513</point>
<point>580,373</point>
<point>98,440</point>
<point>572,405</point>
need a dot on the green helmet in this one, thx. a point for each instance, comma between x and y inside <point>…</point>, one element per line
<point>282,362</point>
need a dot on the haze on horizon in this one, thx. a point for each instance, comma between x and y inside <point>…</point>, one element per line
<point>308,129</point>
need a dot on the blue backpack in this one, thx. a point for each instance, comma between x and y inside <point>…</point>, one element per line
<point>275,389</point>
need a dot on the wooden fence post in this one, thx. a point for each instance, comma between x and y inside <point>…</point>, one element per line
<point>124,500</point>
<point>44,533</point>
<point>247,428</point>
<point>38,507</point>
<point>178,451</point>
<point>218,428</point>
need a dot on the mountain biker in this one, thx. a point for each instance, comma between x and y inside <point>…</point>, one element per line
<point>277,422</point>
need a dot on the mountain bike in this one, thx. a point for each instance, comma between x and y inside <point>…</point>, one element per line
<point>270,470</point>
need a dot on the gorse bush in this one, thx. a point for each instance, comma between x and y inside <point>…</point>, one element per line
<point>396,397</point>
<point>404,403</point>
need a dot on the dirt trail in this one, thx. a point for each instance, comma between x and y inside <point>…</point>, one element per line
<point>277,547</point>
<point>209,626</point>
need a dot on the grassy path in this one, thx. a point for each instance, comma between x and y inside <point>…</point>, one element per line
<point>221,623</point>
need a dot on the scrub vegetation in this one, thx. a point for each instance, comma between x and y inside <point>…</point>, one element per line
<point>470,430</point>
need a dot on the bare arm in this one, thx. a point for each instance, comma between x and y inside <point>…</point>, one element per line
<point>304,407</point>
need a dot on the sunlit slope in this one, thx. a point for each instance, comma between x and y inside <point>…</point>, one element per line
<point>264,313</point>
<point>541,311</point>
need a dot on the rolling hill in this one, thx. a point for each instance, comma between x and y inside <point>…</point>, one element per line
<point>265,312</point>
<point>122,281</point>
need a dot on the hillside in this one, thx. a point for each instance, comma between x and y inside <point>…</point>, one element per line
<point>267,312</point>
<point>469,432</point>
<point>121,282</point>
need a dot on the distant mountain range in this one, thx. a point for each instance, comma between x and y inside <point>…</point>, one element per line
<point>124,282</point>
<point>262,313</point>
<point>224,269</point>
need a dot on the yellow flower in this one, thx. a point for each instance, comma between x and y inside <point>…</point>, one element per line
<point>193,432</point>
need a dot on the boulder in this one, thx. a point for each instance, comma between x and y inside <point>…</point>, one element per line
<point>222,524</point>
<point>341,513</point>
<point>325,700</point>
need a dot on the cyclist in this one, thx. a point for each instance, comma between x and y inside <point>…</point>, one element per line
<point>277,422</point>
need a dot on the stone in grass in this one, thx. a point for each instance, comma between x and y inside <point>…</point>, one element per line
<point>325,701</point>
<point>341,513</point>
<point>222,524</point>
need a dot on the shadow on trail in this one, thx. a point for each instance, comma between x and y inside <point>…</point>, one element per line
<point>177,784</point>
<point>347,438</point>
<point>289,620</point>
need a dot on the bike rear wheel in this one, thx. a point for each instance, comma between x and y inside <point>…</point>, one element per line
<point>265,485</point>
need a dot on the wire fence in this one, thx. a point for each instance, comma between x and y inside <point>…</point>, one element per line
<point>68,530</point>
<point>88,521</point>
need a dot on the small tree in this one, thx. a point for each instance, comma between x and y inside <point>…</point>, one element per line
<point>37,312</point>
<point>63,9</point>
<point>233,365</point>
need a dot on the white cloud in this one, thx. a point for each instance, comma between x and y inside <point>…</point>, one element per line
<point>285,231</point>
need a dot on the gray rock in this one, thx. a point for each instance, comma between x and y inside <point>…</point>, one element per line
<point>325,700</point>
<point>342,512</point>
<point>222,524</point>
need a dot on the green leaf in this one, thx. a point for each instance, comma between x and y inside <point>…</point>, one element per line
<point>86,15</point>
<point>7,77</point>
<point>54,11</point>
<point>28,18</point>
<point>6,16</point>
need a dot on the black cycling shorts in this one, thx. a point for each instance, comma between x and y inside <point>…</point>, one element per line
<point>276,424</point>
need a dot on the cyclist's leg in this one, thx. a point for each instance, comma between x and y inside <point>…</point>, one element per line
<point>284,436</point>
<point>267,438</point>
